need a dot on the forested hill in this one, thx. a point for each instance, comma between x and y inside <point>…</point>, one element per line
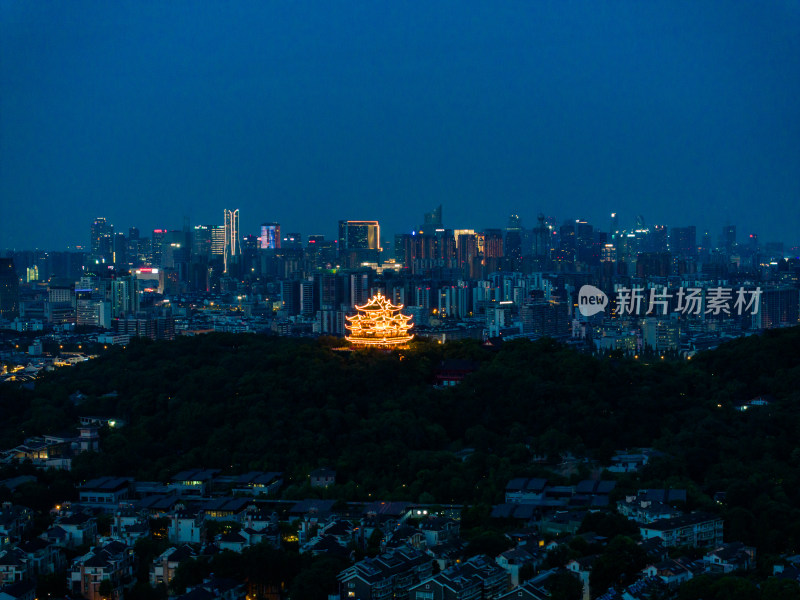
<point>243,402</point>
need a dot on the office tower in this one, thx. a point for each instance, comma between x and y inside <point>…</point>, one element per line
<point>134,246</point>
<point>541,238</point>
<point>290,297</point>
<point>9,289</point>
<point>728,239</point>
<point>683,242</point>
<point>313,250</point>
<point>658,239</point>
<point>218,241</point>
<point>359,242</point>
<point>201,241</point>
<point>270,238</point>
<point>157,246</point>
<point>513,242</point>
<point>292,240</point>
<point>432,220</point>
<point>101,233</point>
<point>232,244</point>
<point>585,249</point>
<point>120,255</point>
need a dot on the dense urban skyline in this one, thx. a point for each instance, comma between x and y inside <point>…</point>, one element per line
<point>307,114</point>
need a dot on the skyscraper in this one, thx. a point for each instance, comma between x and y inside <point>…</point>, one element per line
<point>9,289</point>
<point>433,220</point>
<point>101,233</point>
<point>270,238</point>
<point>359,241</point>
<point>683,241</point>
<point>232,244</point>
<point>201,241</point>
<point>513,242</point>
<point>218,241</point>
<point>157,246</point>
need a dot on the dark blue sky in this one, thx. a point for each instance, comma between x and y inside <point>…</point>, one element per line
<point>310,112</point>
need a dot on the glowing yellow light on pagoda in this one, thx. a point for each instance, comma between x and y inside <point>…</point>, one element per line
<point>379,323</point>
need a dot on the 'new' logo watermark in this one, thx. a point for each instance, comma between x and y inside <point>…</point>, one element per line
<point>591,300</point>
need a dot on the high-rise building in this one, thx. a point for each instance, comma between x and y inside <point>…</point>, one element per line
<point>101,235</point>
<point>232,244</point>
<point>433,220</point>
<point>134,246</point>
<point>124,296</point>
<point>201,241</point>
<point>9,289</point>
<point>218,241</point>
<point>270,238</point>
<point>728,239</point>
<point>513,242</point>
<point>292,240</point>
<point>359,242</point>
<point>683,242</point>
<point>157,246</point>
<point>120,256</point>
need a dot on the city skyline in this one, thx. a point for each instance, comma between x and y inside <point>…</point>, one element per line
<point>308,113</point>
<point>716,232</point>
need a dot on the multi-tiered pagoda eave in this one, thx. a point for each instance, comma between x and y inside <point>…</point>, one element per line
<point>379,323</point>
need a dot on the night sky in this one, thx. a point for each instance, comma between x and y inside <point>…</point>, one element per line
<point>310,112</point>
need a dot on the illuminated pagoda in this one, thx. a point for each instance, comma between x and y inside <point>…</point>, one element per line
<point>379,323</point>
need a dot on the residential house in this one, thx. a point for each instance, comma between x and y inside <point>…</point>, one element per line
<point>495,580</point>
<point>447,585</point>
<point>628,462</point>
<point>256,483</point>
<point>232,540</point>
<point>193,482</point>
<point>405,535</point>
<point>641,510</point>
<point>390,575</point>
<point>672,572</point>
<point>42,557</point>
<point>582,569</point>
<point>105,491</point>
<point>217,587</point>
<point>14,522</point>
<point>80,529</point>
<point>695,529</point>
<point>114,562</point>
<point>13,565</point>
<point>525,490</point>
<point>438,530</point>
<point>22,590</point>
<point>322,477</point>
<point>527,591</point>
<point>164,566</point>
<point>516,559</point>
<point>129,525</point>
<point>562,522</point>
<point>478,578</point>
<point>225,509</point>
<point>186,526</point>
<point>727,558</point>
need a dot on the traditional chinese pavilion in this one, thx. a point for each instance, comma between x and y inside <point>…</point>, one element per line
<point>379,323</point>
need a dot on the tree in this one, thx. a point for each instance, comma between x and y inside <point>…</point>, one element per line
<point>620,563</point>
<point>564,586</point>
<point>780,589</point>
